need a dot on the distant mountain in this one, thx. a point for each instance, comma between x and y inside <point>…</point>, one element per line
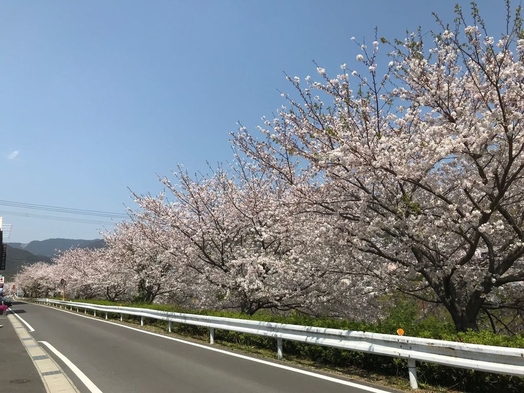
<point>16,258</point>
<point>21,246</point>
<point>52,247</point>
<point>20,254</point>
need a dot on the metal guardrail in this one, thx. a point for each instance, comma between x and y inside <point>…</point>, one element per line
<point>500,360</point>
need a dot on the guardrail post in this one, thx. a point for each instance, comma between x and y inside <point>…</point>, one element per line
<point>211,335</point>
<point>412,369</point>
<point>121,317</point>
<point>85,310</point>
<point>169,326</point>
<point>106,315</point>
<point>279,348</point>
<point>94,313</point>
<point>141,321</point>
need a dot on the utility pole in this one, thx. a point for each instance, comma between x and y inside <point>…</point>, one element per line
<point>3,248</point>
<point>2,258</point>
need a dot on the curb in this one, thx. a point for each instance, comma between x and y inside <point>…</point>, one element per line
<point>55,380</point>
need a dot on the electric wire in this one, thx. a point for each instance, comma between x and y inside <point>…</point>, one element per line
<point>56,218</point>
<point>66,210</point>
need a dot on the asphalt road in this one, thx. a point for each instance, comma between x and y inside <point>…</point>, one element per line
<point>116,359</point>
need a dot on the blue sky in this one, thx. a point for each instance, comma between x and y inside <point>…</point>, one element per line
<point>98,97</point>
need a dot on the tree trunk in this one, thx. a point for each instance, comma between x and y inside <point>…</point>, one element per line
<point>464,321</point>
<point>248,307</point>
<point>463,306</point>
<point>465,316</point>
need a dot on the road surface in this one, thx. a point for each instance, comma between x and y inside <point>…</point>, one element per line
<point>100,356</point>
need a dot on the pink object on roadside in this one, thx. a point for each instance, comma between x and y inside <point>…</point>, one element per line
<point>3,308</point>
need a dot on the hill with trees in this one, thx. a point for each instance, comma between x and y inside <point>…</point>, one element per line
<point>20,254</point>
<point>52,247</point>
<point>16,258</point>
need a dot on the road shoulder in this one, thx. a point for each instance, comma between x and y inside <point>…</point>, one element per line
<point>44,368</point>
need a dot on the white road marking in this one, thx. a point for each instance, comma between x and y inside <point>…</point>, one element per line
<point>284,367</point>
<point>29,327</point>
<point>85,380</point>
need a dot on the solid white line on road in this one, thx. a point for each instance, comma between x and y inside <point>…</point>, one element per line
<point>29,327</point>
<point>85,380</point>
<point>268,363</point>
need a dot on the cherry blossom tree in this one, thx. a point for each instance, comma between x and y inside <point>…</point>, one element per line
<point>237,230</point>
<point>93,274</point>
<point>418,163</point>
<point>36,280</point>
<point>115,281</point>
<point>148,267</point>
<point>77,269</point>
<point>403,177</point>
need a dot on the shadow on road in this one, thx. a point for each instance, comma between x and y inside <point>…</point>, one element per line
<point>17,311</point>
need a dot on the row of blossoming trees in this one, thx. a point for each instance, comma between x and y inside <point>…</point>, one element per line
<point>406,178</point>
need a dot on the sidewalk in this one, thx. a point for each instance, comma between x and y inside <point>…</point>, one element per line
<point>18,373</point>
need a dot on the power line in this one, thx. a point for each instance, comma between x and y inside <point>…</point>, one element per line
<point>56,218</point>
<point>66,210</point>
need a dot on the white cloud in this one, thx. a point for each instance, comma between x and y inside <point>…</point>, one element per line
<point>13,155</point>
